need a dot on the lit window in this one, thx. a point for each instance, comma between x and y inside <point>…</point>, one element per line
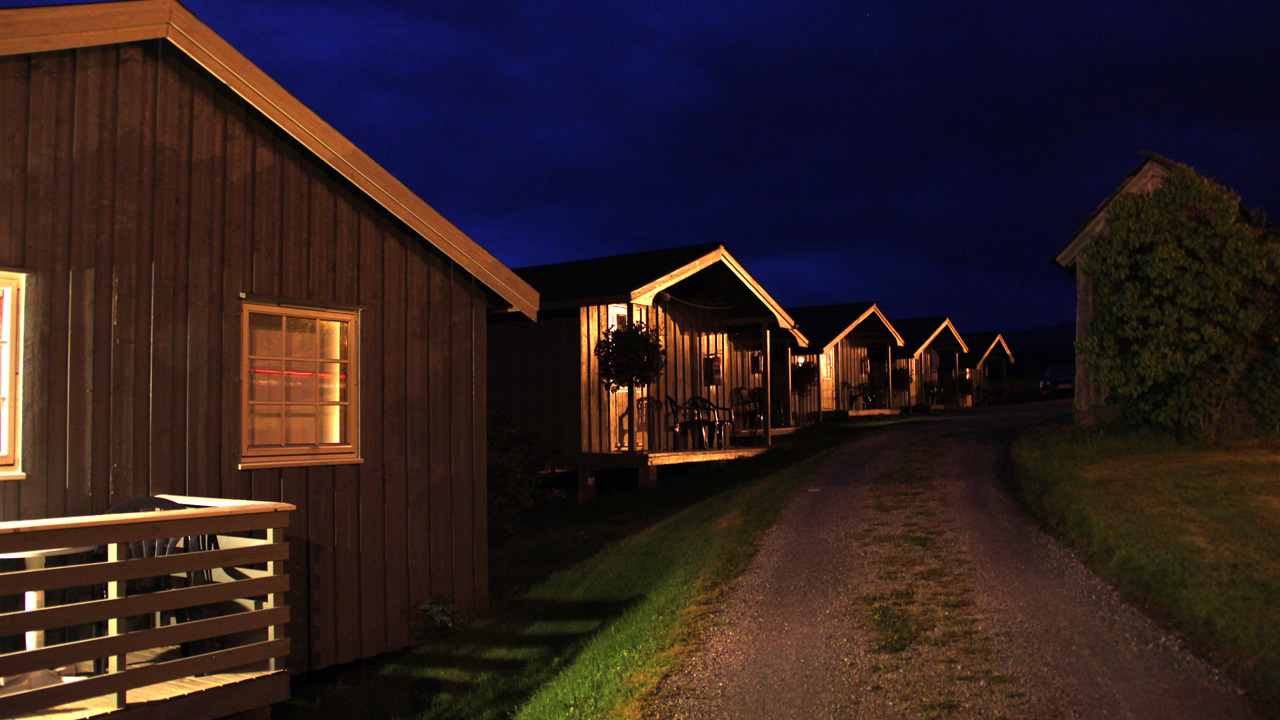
<point>10,372</point>
<point>299,386</point>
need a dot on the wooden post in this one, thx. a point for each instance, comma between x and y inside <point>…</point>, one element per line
<point>631,395</point>
<point>586,485</point>
<point>275,567</point>
<point>648,476</point>
<point>888,359</point>
<point>766,412</point>
<point>116,552</point>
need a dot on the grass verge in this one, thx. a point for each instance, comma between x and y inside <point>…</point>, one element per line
<point>596,605</point>
<point>1192,534</point>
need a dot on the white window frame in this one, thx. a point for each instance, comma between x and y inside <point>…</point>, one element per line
<point>13,285</point>
<point>252,456</point>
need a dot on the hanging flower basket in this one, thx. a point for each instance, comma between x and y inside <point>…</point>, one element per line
<point>804,377</point>
<point>630,355</point>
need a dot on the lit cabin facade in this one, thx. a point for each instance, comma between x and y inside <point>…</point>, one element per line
<point>926,369</point>
<point>987,365</point>
<point>852,345</point>
<point>724,338</point>
<point>217,296</point>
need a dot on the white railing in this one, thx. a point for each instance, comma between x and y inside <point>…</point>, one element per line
<point>108,619</point>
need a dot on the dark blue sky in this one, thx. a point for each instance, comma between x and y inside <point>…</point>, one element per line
<point>928,156</point>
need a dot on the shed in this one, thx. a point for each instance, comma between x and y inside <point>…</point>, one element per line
<point>988,364</point>
<point>721,332</point>
<point>219,296</point>
<point>1145,177</point>
<point>852,343</point>
<point>926,341</point>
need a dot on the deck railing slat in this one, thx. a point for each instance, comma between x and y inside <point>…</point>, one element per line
<point>65,654</point>
<point>98,573</point>
<point>33,700</point>
<point>160,601</point>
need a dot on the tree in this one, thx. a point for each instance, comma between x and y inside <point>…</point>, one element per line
<point>1185,284</point>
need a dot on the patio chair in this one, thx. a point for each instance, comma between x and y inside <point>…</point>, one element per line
<point>750,402</point>
<point>158,547</point>
<point>715,421</point>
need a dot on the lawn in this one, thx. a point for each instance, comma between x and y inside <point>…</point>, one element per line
<point>1190,533</point>
<point>593,605</point>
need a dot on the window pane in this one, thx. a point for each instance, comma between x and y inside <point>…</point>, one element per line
<point>301,421</point>
<point>300,379</point>
<point>333,339</point>
<point>333,424</point>
<point>264,425</point>
<point>266,335</point>
<point>266,380</point>
<point>333,385</point>
<point>302,337</point>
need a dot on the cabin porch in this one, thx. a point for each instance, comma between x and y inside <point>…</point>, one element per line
<point>177,613</point>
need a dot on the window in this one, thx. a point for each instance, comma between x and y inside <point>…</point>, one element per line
<point>299,386</point>
<point>11,286</point>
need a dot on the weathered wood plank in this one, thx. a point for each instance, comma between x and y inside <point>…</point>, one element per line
<point>462,383</point>
<point>395,390</point>
<point>42,187</point>
<point>373,591</point>
<point>418,425</point>
<point>440,463</point>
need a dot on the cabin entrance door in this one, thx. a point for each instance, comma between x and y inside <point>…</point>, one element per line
<point>829,380</point>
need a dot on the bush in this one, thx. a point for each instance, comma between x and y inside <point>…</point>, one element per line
<point>1184,283</point>
<point>803,378</point>
<point>515,458</point>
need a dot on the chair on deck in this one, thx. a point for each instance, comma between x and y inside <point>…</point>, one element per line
<point>714,421</point>
<point>158,547</point>
<point>750,401</point>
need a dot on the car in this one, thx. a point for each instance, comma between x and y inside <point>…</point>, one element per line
<point>1058,381</point>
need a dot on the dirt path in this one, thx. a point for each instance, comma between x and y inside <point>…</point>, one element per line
<point>905,583</point>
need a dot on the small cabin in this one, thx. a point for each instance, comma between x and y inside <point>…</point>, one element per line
<point>1145,177</point>
<point>212,299</point>
<point>986,367</point>
<point>926,370</point>
<point>726,343</point>
<point>852,345</point>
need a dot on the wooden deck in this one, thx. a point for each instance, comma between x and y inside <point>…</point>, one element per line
<point>667,457</point>
<point>192,698</point>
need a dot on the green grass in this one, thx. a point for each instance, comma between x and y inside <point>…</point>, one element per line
<point>1190,533</point>
<point>594,605</point>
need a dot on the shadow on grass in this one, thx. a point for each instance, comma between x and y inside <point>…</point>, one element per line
<point>483,668</point>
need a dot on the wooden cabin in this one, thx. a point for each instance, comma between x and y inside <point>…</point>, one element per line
<point>843,340</point>
<point>211,294</point>
<point>724,339</point>
<point>931,354</point>
<point>987,367</point>
<point>1146,177</point>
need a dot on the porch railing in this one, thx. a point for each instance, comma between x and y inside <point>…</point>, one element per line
<point>102,620</point>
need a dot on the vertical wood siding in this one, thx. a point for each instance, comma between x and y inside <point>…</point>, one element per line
<point>142,198</point>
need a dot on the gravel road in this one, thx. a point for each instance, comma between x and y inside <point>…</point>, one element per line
<point>906,583</point>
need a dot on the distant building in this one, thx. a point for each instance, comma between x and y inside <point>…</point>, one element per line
<point>1146,177</point>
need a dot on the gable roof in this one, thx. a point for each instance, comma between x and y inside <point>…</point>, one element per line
<point>919,334</point>
<point>691,274</point>
<point>1145,177</point>
<point>986,343</point>
<point>42,29</point>
<point>826,325</point>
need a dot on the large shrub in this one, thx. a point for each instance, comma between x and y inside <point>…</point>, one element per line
<point>1185,282</point>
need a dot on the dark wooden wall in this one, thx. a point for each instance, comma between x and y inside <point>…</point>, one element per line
<point>535,379</point>
<point>142,198</point>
